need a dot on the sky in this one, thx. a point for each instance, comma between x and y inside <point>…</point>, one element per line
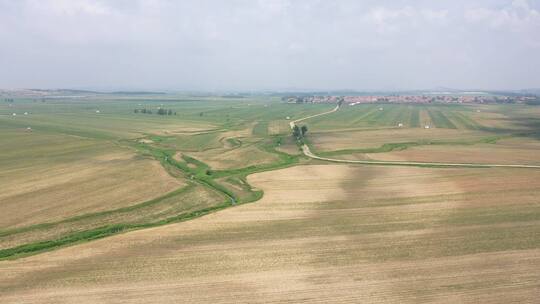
<point>270,44</point>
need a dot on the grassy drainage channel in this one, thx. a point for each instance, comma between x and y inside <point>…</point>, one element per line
<point>196,172</point>
<point>98,233</point>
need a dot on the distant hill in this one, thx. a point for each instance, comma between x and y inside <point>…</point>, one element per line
<point>67,93</point>
<point>137,93</point>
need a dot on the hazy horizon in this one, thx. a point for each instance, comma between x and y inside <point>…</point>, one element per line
<point>270,45</point>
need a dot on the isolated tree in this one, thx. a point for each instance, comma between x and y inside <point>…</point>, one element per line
<point>169,112</point>
<point>136,110</point>
<point>303,130</point>
<point>161,111</point>
<point>296,132</point>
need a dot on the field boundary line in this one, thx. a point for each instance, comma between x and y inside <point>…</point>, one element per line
<point>308,153</point>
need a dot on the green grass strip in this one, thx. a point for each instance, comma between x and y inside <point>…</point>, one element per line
<point>101,232</point>
<point>97,214</point>
<point>403,146</point>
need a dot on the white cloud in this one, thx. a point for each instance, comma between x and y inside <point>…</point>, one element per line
<point>386,19</point>
<point>517,16</point>
<point>435,15</point>
<point>522,4</point>
<point>71,7</point>
<point>268,43</point>
<point>393,20</point>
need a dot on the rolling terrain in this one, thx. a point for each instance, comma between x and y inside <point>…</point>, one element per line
<point>323,233</point>
<point>104,204</point>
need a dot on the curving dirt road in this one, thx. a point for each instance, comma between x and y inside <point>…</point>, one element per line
<point>307,152</point>
<point>292,123</point>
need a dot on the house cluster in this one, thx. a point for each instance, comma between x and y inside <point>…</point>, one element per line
<point>420,99</point>
<point>424,99</point>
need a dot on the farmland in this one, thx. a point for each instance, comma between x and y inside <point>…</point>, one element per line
<point>76,171</point>
<point>217,203</point>
<point>321,233</point>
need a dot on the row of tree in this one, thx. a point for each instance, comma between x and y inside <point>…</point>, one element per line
<point>160,111</point>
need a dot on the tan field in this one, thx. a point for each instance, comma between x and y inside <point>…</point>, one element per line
<point>325,233</point>
<point>66,176</point>
<point>278,127</point>
<point>510,151</point>
<point>289,146</point>
<point>233,149</point>
<point>227,158</point>
<point>191,198</point>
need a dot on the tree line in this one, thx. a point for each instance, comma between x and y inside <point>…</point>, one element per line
<point>160,111</point>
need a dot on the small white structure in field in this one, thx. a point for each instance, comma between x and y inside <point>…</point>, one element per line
<point>400,125</point>
<point>426,127</point>
<point>380,109</point>
<point>25,113</point>
<point>477,111</point>
<point>97,111</point>
<point>288,117</point>
<point>29,129</point>
<point>14,114</point>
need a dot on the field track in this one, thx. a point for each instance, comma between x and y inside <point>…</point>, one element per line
<point>307,152</point>
<point>292,123</point>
